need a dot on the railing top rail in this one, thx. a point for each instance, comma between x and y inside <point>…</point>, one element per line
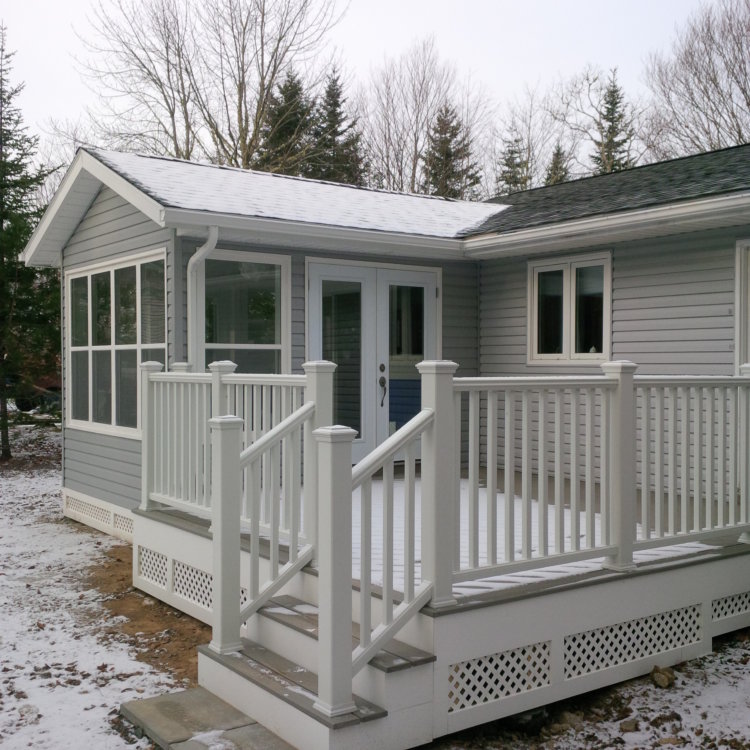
<point>277,434</point>
<point>388,448</point>
<point>256,379</point>
<point>179,377</point>
<point>503,383</point>
<point>644,381</point>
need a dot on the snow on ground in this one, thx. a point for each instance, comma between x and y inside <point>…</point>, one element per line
<point>59,687</point>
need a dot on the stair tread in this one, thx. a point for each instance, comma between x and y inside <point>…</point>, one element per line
<point>290,682</point>
<point>303,617</point>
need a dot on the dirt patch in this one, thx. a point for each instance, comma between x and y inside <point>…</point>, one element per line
<point>159,635</point>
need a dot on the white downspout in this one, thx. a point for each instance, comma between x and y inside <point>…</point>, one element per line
<point>192,296</point>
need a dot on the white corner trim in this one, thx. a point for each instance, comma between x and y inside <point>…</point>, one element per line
<point>741,304</point>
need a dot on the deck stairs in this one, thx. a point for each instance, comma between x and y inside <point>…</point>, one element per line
<point>273,678</point>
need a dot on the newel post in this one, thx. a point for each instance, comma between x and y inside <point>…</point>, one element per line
<point>226,445</point>
<point>334,570</point>
<point>148,428</point>
<point>623,469</point>
<point>219,391</point>
<point>319,390</point>
<point>439,480</point>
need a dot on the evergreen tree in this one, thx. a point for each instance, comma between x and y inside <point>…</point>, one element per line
<point>558,170</point>
<point>336,152</point>
<point>514,174</point>
<point>615,132</point>
<point>287,132</point>
<point>449,169</point>
<point>29,298</point>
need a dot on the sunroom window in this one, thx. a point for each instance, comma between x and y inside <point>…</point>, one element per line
<point>569,310</point>
<point>116,319</point>
<point>243,309</point>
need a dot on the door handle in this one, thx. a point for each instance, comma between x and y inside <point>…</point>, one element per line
<point>382,383</point>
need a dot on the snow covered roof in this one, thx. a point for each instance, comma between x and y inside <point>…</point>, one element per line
<point>227,190</point>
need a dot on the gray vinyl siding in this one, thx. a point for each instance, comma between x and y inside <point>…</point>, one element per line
<point>459,301</point>
<point>672,308</point>
<point>108,467</point>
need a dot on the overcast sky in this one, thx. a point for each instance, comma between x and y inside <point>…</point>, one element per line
<point>503,44</point>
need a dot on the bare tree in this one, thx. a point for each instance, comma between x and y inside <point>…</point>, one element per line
<point>195,79</point>
<point>701,89</point>
<point>401,104</point>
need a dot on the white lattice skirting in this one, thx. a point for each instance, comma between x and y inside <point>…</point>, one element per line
<point>106,517</point>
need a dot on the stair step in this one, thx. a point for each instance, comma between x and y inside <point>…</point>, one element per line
<point>289,682</point>
<point>182,721</point>
<point>303,617</point>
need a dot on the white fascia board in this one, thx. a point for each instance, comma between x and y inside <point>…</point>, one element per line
<point>724,210</point>
<point>33,254</point>
<point>314,236</point>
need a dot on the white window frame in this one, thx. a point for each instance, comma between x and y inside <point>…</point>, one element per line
<point>741,304</point>
<point>87,272</point>
<point>568,265</point>
<point>242,256</point>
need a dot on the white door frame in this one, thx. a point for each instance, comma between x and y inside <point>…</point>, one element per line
<point>376,280</point>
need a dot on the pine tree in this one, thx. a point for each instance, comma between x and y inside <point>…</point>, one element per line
<point>514,173</point>
<point>612,147</point>
<point>287,132</point>
<point>558,170</point>
<point>29,298</point>
<point>336,151</point>
<point>449,168</point>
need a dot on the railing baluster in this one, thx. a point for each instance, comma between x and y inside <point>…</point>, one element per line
<point>559,476</point>
<point>294,492</point>
<point>365,561</point>
<point>697,457</point>
<point>590,515</point>
<point>409,520</point>
<point>492,477</point>
<point>254,488</point>
<point>457,402</point>
<point>672,458</point>
<point>473,517</point>
<point>509,475</point>
<point>526,474</point>
<point>645,461</point>
<point>684,458</point>
<point>709,473</point>
<point>388,542</point>
<point>542,509</point>
<point>722,458</point>
<point>732,478</point>
<point>274,519</point>
<point>659,463</point>
<point>575,541</point>
<point>606,461</point>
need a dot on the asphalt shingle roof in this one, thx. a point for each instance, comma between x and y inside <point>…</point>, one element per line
<point>691,177</point>
<point>241,192</point>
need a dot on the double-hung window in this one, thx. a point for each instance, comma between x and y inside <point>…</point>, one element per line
<point>116,320</point>
<point>246,309</point>
<point>569,309</point>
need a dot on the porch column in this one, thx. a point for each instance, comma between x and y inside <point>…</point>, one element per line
<point>440,480</point>
<point>319,390</point>
<point>623,470</point>
<point>225,525</point>
<point>335,570</point>
<point>148,427</point>
<point>219,393</point>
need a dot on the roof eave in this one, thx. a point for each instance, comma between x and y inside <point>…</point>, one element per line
<point>674,218</point>
<point>281,232</point>
<point>62,216</point>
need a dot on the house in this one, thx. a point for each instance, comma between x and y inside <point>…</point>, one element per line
<point>547,474</point>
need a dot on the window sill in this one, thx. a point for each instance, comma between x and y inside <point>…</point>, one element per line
<point>587,362</point>
<point>103,429</point>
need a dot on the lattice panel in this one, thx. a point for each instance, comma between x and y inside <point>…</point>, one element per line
<point>594,650</point>
<point>152,566</point>
<point>193,584</point>
<point>729,606</point>
<point>81,507</point>
<point>123,523</point>
<point>493,677</point>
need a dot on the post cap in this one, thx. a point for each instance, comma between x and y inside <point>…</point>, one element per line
<point>336,434</point>
<point>226,422</point>
<point>321,365</point>
<point>182,367</point>
<point>151,366</point>
<point>223,365</point>
<point>437,367</point>
<point>618,367</point>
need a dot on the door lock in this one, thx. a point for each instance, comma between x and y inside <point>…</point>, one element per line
<point>382,383</point>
